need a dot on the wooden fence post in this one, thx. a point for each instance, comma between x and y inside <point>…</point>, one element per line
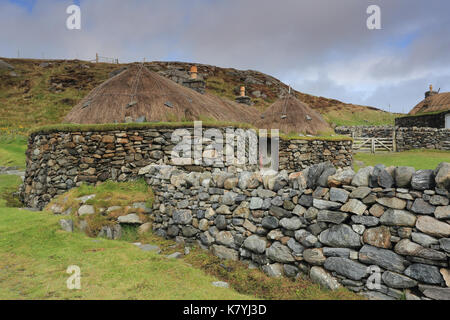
<point>394,140</point>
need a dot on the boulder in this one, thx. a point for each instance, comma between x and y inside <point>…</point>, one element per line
<point>378,237</point>
<point>225,238</point>
<point>326,205</point>
<point>341,177</point>
<point>442,212</point>
<point>269,222</point>
<point>86,209</point>
<point>273,270</point>
<point>66,225</point>
<point>423,180</point>
<point>394,217</point>
<point>314,256</point>
<point>340,236</point>
<point>279,253</point>
<point>182,216</point>
<point>335,217</point>
<point>422,207</point>
<point>442,173</point>
<point>360,192</point>
<point>423,239</point>
<point>255,243</point>
<point>347,268</point>
<point>397,281</point>
<point>5,66</point>
<point>403,176</point>
<point>339,195</point>
<point>323,278</point>
<point>361,178</point>
<point>354,206</point>
<point>382,257</point>
<point>433,227</point>
<point>291,223</point>
<point>408,248</point>
<point>225,253</point>
<point>394,203</point>
<point>424,273</point>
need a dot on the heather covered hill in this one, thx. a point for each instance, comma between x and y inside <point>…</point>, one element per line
<point>40,92</point>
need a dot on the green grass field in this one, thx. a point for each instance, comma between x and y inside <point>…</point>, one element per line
<point>12,150</point>
<point>419,159</point>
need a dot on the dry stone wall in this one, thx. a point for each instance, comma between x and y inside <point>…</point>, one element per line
<point>382,232</point>
<point>59,161</point>
<point>406,138</point>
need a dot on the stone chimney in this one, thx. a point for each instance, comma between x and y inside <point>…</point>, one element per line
<point>193,73</point>
<point>193,82</point>
<point>242,91</point>
<point>242,98</point>
<point>430,93</point>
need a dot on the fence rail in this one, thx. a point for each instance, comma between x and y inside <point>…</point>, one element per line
<point>373,145</point>
<point>104,59</point>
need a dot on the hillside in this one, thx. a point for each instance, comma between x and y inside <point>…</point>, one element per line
<point>38,92</point>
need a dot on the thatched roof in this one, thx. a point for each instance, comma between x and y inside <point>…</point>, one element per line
<point>436,102</point>
<point>138,92</point>
<point>290,115</point>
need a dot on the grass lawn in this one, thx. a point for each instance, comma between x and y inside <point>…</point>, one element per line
<point>12,150</point>
<point>419,159</point>
<point>35,253</point>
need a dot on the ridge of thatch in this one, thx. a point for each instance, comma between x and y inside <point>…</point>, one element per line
<point>434,103</point>
<point>138,92</point>
<point>291,115</point>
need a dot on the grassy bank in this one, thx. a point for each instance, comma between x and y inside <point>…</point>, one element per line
<point>419,159</point>
<point>12,150</point>
<point>34,256</point>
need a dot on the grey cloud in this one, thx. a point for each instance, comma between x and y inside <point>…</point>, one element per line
<point>320,46</point>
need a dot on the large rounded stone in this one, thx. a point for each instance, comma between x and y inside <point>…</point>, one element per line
<point>378,237</point>
<point>291,223</point>
<point>314,256</point>
<point>443,175</point>
<point>402,218</point>
<point>433,227</point>
<point>255,244</point>
<point>340,236</point>
<point>347,268</point>
<point>408,248</point>
<point>403,176</point>
<point>382,257</point>
<point>398,281</point>
<point>269,222</point>
<point>182,216</point>
<point>225,238</point>
<point>225,253</point>
<point>394,203</point>
<point>323,278</point>
<point>361,178</point>
<point>424,273</point>
<point>279,253</point>
<point>423,180</point>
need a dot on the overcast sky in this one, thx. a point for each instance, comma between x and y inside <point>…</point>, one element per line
<point>321,47</point>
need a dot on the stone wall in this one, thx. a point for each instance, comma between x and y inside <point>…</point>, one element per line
<point>58,161</point>
<point>382,232</point>
<point>426,138</point>
<point>406,138</point>
<point>436,120</point>
<point>366,131</point>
